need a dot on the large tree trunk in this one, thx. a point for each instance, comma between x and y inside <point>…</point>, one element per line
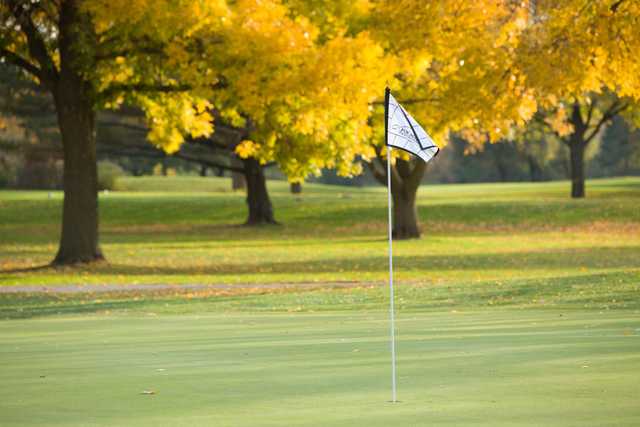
<point>238,180</point>
<point>260,208</point>
<point>405,214</point>
<point>576,149</point>
<point>577,145</point>
<point>405,180</point>
<point>295,187</point>
<point>76,119</point>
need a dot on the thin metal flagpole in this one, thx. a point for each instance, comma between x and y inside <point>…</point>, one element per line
<point>387,93</point>
<point>391,296</point>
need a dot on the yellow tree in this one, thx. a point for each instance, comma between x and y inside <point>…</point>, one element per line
<point>454,72</point>
<point>97,54</point>
<point>580,59</point>
<point>300,94</point>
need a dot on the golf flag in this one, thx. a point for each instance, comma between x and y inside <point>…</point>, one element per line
<point>403,132</point>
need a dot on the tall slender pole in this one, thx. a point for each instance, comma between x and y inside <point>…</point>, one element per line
<point>387,93</point>
<point>391,296</point>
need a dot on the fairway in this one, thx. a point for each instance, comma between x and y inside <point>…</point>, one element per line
<point>281,213</point>
<point>472,234</point>
<point>504,367</point>
<point>517,307</point>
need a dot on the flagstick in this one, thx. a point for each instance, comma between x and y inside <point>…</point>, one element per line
<point>391,297</point>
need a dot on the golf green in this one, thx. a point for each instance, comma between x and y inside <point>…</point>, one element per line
<point>492,367</point>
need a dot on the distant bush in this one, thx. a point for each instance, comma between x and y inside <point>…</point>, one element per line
<point>36,173</point>
<point>5,178</point>
<point>108,174</point>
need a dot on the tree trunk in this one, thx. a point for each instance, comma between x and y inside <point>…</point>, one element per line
<point>501,166</point>
<point>295,188</point>
<point>76,120</point>
<point>405,214</point>
<point>535,171</point>
<point>238,181</point>
<point>203,170</point>
<point>576,149</point>
<point>405,180</point>
<point>260,208</point>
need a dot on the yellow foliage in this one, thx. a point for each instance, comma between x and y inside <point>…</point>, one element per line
<point>586,46</point>
<point>246,149</point>
<point>304,78</point>
<point>171,117</point>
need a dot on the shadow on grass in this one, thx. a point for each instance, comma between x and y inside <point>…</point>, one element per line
<point>617,290</point>
<point>29,269</point>
<point>597,257</point>
<point>144,219</point>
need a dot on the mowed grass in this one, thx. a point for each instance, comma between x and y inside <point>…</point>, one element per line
<point>518,307</point>
<point>481,368</point>
<point>191,233</point>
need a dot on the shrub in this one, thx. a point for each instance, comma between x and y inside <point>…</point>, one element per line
<point>108,174</point>
<point>36,173</point>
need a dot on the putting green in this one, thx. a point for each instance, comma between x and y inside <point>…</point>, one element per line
<point>491,367</point>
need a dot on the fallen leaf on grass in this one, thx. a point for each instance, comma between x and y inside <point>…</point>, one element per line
<point>147,392</point>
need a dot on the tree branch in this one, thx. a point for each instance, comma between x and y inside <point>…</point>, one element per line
<point>614,7</point>
<point>21,62</point>
<point>615,109</point>
<point>413,181</point>
<point>590,113</point>
<point>36,45</point>
<point>155,153</point>
<point>408,101</point>
<point>404,168</point>
<point>381,177</point>
<point>143,87</point>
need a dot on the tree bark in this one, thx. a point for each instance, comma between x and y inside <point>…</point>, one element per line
<point>405,214</point>
<point>576,149</point>
<point>405,180</point>
<point>238,180</point>
<point>501,165</point>
<point>258,202</point>
<point>577,144</point>
<point>295,188</point>
<point>76,120</point>
<point>535,171</point>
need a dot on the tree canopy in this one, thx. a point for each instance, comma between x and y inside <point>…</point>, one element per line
<point>301,81</point>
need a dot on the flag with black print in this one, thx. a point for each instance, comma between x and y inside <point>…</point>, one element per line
<point>405,133</point>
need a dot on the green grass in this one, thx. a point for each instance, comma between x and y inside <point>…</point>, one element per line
<point>472,233</point>
<point>518,307</point>
<point>485,368</point>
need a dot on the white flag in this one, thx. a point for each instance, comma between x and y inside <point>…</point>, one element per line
<point>405,133</point>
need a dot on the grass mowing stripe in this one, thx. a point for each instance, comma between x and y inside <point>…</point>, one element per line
<point>328,369</point>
